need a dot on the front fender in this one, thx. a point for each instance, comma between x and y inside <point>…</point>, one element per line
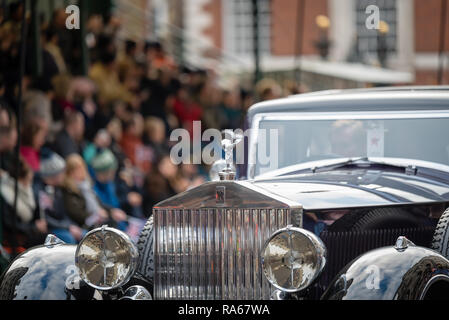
<point>44,273</point>
<point>389,274</point>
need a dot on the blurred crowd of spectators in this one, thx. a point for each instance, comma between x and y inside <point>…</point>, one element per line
<point>95,150</point>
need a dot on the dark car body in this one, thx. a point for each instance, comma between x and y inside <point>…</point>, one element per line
<point>407,196</point>
<point>420,187</point>
<point>208,240</point>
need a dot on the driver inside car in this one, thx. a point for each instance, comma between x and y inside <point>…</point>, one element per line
<point>343,138</point>
<point>348,138</point>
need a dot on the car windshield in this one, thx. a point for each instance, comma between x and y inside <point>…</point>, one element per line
<point>287,141</point>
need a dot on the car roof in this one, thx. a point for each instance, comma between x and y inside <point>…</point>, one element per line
<point>372,99</point>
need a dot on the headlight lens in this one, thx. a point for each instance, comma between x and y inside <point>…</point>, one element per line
<point>293,258</point>
<point>106,258</point>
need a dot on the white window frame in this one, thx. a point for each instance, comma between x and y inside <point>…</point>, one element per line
<point>229,28</point>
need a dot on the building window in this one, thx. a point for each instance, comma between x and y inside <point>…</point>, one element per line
<point>367,39</point>
<point>238,26</point>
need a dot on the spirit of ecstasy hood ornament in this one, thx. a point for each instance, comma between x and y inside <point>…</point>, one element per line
<point>229,140</point>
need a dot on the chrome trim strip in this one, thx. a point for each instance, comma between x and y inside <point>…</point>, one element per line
<point>51,240</point>
<point>440,277</point>
<point>136,293</point>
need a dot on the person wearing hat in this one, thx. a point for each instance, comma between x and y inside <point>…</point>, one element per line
<point>81,202</point>
<point>112,192</point>
<point>105,165</point>
<point>50,198</point>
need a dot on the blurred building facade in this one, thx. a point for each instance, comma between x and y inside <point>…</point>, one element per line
<point>409,46</point>
<point>218,35</point>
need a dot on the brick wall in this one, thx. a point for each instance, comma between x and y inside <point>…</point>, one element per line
<point>283,25</point>
<point>426,22</point>
<point>214,31</point>
<point>284,22</point>
<point>427,25</point>
<point>427,39</point>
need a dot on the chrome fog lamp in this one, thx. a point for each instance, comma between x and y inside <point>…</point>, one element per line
<point>293,258</point>
<point>106,258</point>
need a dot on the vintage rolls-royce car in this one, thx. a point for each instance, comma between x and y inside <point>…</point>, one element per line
<point>342,195</point>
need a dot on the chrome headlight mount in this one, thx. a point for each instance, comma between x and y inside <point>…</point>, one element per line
<point>292,258</point>
<point>136,293</point>
<point>106,258</point>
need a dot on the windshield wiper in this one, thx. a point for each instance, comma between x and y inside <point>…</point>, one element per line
<point>339,165</point>
<point>359,162</point>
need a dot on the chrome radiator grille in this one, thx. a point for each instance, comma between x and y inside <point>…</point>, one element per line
<point>212,253</point>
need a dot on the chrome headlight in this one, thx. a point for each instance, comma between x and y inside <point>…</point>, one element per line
<point>106,258</point>
<point>293,258</point>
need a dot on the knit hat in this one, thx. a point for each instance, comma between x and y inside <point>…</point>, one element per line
<point>51,163</point>
<point>104,161</point>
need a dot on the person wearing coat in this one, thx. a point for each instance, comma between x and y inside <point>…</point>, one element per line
<point>80,201</point>
<point>26,225</point>
<point>48,188</point>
